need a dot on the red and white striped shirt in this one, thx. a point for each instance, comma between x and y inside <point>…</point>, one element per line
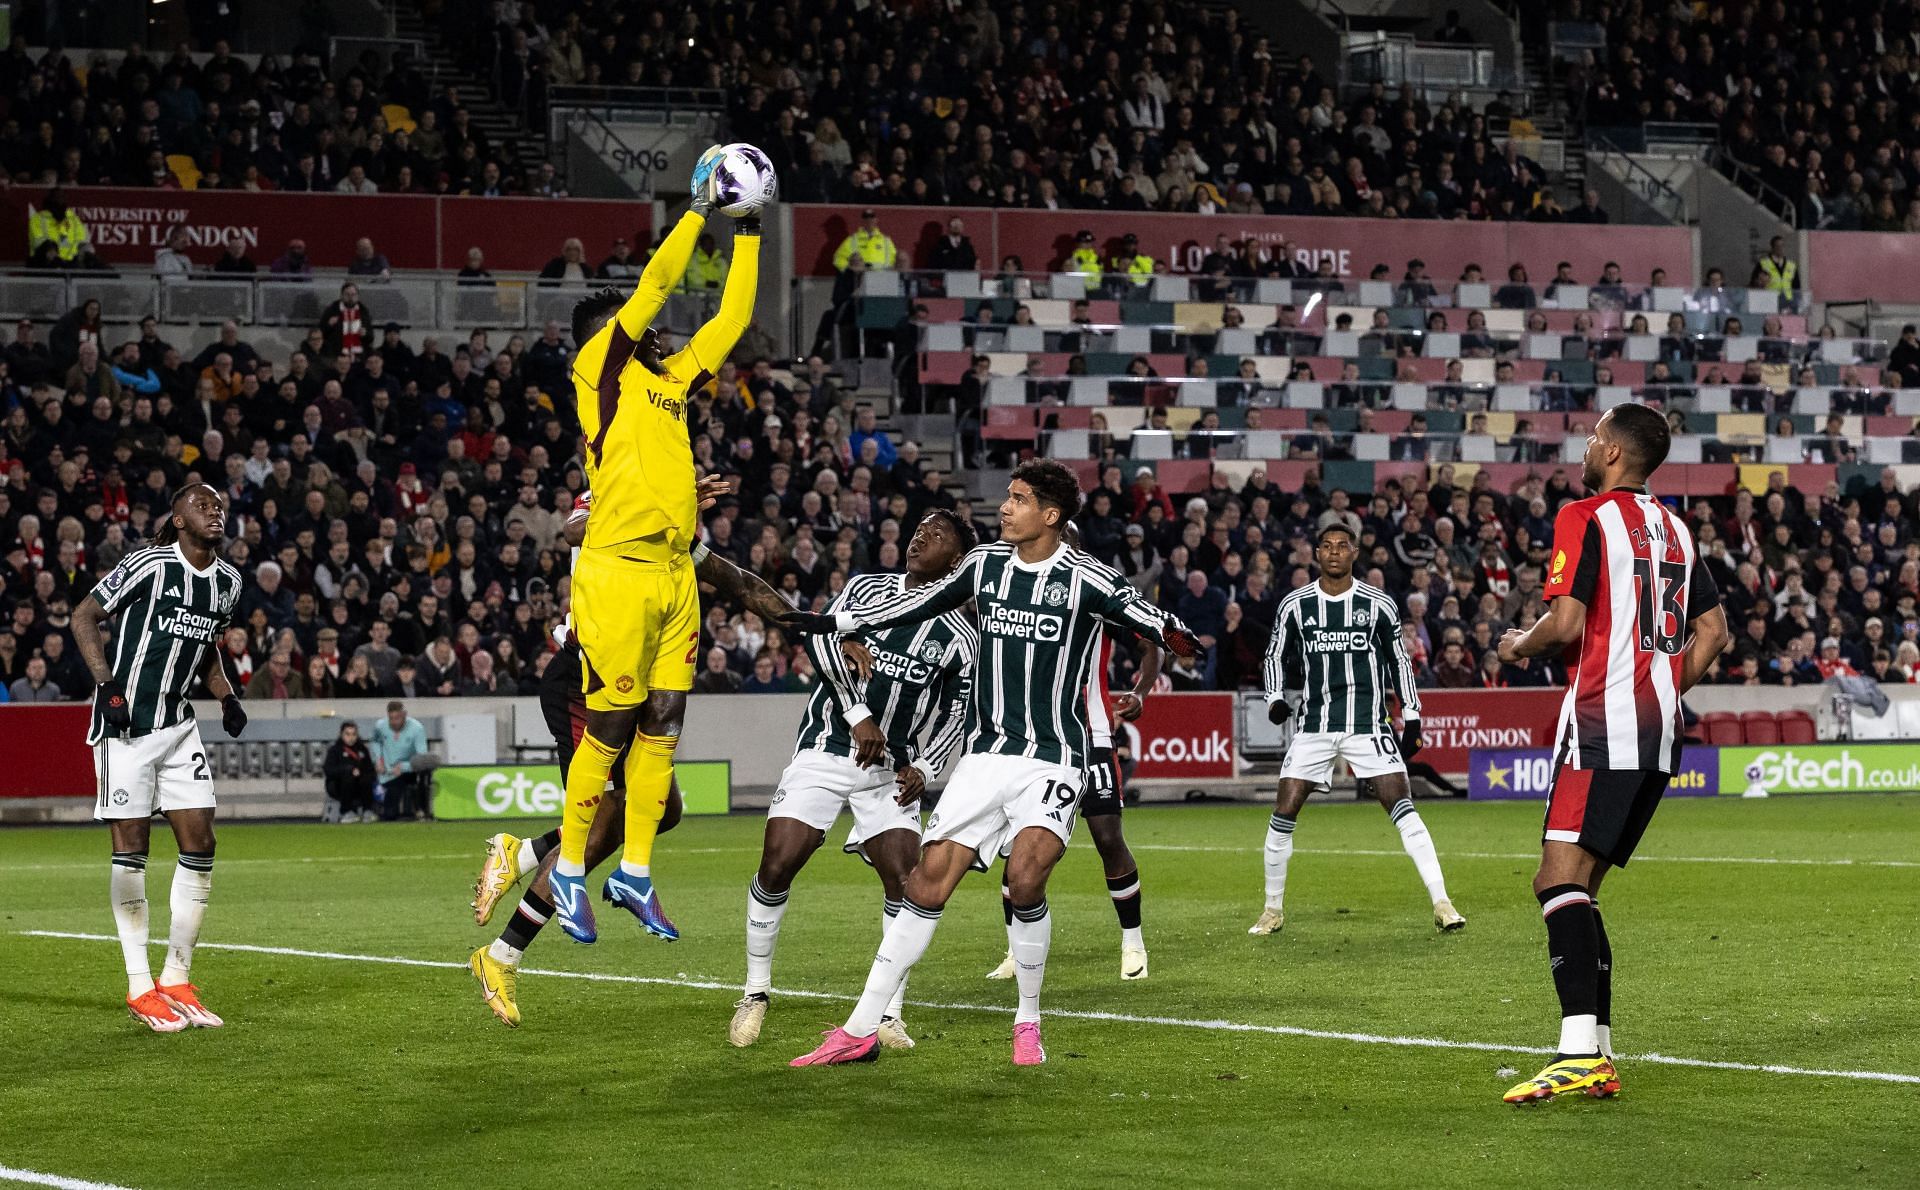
<point>1099,707</point>
<point>1633,563</point>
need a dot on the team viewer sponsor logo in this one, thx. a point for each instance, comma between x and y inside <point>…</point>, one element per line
<point>1022,624</point>
<point>1499,774</point>
<point>1820,768</point>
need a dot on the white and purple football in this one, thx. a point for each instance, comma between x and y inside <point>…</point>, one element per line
<point>743,182</point>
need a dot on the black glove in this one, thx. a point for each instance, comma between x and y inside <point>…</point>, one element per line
<point>233,716</point>
<point>1181,643</point>
<point>748,225</point>
<point>110,699</point>
<point>1279,712</point>
<point>810,623</point>
<point>1410,738</point>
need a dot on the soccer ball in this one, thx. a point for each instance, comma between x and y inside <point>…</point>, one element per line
<point>743,181</point>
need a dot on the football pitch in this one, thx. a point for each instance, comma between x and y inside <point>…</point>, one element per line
<point>1766,980</point>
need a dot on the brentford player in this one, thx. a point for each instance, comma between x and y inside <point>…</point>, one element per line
<point>1640,620</point>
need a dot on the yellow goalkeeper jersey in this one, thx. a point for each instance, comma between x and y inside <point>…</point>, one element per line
<point>639,457</point>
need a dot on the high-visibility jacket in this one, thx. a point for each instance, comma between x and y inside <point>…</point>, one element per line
<point>69,235</point>
<point>875,247</point>
<point>1137,268</point>
<point>1084,261</point>
<point>707,270</point>
<point>1780,274</point>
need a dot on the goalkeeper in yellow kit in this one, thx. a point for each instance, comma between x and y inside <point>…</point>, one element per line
<point>636,605</point>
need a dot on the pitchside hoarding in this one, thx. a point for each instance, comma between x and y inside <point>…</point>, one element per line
<point>1182,737</point>
<point>1455,722</point>
<point>508,791</point>
<point>1521,774</point>
<point>1820,768</point>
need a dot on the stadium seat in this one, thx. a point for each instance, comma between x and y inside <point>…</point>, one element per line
<point>1759,728</point>
<point>183,168</point>
<point>1721,729</point>
<point>1797,727</point>
<point>399,118</point>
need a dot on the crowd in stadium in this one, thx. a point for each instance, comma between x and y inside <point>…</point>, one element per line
<point>397,507</point>
<point>1820,103</point>
<point>1072,104</point>
<point>218,122</point>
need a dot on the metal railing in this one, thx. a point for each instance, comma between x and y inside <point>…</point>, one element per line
<point>515,301</point>
<point>1648,186</point>
<point>1754,186</point>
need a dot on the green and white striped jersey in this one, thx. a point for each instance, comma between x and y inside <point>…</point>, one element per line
<point>169,618</point>
<point>921,674</point>
<point>1344,651</point>
<point>1040,627</point>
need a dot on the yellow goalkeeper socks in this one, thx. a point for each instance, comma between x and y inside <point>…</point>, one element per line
<point>649,779</point>
<point>586,785</point>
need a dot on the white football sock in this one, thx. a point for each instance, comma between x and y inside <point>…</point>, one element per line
<point>1131,936</point>
<point>1604,1035</point>
<point>1030,937</point>
<point>764,911</point>
<point>1579,1034</point>
<point>525,859</point>
<point>502,953</point>
<point>889,911</point>
<point>907,939</point>
<point>129,889</point>
<point>639,871</point>
<point>1279,852</point>
<point>192,883</point>
<point>1419,845</point>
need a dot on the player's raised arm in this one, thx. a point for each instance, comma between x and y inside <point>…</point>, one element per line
<point>712,343</point>
<point>663,273</point>
<point>909,607</point>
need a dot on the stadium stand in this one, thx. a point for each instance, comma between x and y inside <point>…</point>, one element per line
<point>400,466</point>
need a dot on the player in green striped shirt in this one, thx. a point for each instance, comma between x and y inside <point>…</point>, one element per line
<point>172,601</point>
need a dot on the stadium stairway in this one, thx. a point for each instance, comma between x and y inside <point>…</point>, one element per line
<point>520,146</point>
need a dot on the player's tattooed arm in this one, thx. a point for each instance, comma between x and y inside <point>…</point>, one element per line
<point>738,586</point>
<point>89,640</point>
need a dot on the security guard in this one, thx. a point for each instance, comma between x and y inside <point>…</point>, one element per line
<point>55,225</point>
<point>870,244</point>
<point>1777,272</point>
<point>1085,259</point>
<point>707,271</point>
<point>1129,265</point>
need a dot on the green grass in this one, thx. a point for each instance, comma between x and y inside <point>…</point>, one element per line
<point>338,1073</point>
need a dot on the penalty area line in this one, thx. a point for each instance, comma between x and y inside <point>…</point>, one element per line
<point>1127,1018</point>
<point>35,1178</point>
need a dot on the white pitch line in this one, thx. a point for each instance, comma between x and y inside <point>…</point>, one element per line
<point>1661,859</point>
<point>33,1178</point>
<point>1362,852</point>
<point>474,853</point>
<point>1128,1018</point>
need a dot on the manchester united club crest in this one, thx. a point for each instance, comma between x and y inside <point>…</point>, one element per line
<point>1055,595</point>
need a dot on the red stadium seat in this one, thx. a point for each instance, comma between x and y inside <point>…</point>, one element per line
<point>1797,727</point>
<point>1759,727</point>
<point>1721,729</point>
